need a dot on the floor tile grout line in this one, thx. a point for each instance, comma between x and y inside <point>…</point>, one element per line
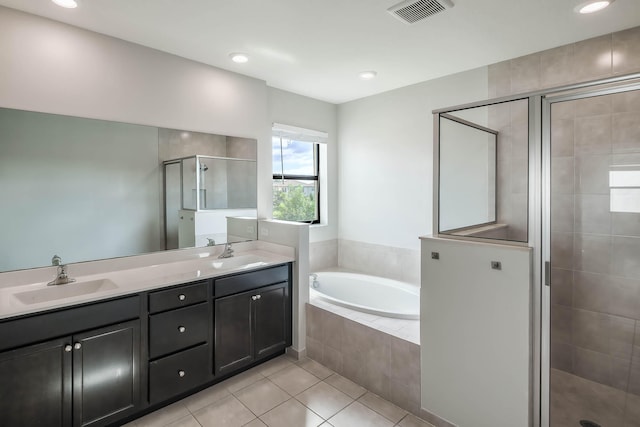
<point>378,412</point>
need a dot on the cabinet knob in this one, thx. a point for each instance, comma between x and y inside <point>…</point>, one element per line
<point>182,329</point>
<point>68,348</point>
<point>77,346</point>
<point>254,297</point>
<point>181,373</point>
<point>258,296</point>
<point>182,297</point>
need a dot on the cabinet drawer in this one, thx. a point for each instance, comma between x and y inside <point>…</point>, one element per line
<point>177,297</point>
<point>178,373</point>
<point>248,281</point>
<point>177,329</point>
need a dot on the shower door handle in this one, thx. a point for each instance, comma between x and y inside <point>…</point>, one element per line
<point>547,273</point>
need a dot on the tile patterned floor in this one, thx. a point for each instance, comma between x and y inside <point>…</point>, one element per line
<point>282,393</point>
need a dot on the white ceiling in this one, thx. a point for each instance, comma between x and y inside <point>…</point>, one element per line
<point>317,47</point>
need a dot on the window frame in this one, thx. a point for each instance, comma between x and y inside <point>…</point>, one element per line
<point>283,177</point>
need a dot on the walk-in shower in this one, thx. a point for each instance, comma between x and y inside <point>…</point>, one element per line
<point>567,183</point>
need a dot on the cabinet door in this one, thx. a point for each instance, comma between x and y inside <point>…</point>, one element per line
<point>35,385</point>
<point>272,317</point>
<point>106,374</point>
<point>234,341</point>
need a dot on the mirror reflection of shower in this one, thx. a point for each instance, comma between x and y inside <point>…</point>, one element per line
<point>203,183</point>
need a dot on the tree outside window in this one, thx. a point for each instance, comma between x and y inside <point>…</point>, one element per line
<point>295,179</point>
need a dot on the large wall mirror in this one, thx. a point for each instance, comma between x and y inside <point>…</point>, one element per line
<point>88,189</point>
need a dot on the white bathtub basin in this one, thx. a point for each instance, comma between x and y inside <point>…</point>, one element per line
<point>369,294</point>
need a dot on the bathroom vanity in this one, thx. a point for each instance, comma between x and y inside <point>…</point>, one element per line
<point>107,360</point>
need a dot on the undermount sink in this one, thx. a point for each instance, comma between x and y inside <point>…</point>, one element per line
<point>246,261</point>
<point>56,292</point>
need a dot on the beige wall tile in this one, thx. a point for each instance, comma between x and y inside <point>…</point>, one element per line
<point>626,51</point>
<point>593,135</point>
<point>592,58</point>
<point>562,287</point>
<point>525,73</point>
<point>592,174</point>
<point>562,250</point>
<point>592,214</point>
<point>562,137</point>
<point>592,253</point>
<point>556,66</point>
<point>561,324</point>
<point>499,79</point>
<point>562,175</point>
<point>625,259</point>
<point>626,132</point>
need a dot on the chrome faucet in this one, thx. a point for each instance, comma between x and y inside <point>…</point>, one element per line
<point>228,251</point>
<point>315,282</point>
<point>62,277</point>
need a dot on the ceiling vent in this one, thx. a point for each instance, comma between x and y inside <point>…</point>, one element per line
<point>412,11</point>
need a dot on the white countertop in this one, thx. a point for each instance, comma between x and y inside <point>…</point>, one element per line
<point>138,279</point>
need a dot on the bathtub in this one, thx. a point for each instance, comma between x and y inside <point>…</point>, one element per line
<point>369,294</point>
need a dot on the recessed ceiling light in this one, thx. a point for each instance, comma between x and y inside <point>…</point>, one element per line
<point>592,6</point>
<point>69,4</point>
<point>367,75</point>
<point>239,58</point>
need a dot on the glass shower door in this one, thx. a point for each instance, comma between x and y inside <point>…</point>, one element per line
<point>594,228</point>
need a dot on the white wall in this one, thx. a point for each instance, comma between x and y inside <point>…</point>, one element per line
<point>296,110</point>
<point>52,67</point>
<point>386,155</point>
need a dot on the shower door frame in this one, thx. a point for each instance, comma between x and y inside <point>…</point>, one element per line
<point>588,90</point>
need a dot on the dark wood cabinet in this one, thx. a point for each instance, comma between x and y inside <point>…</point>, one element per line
<point>180,331</point>
<point>272,320</point>
<point>250,326</point>
<point>35,385</point>
<point>104,363</point>
<point>94,374</point>
<point>80,373</point>
<point>234,335</point>
<point>106,378</point>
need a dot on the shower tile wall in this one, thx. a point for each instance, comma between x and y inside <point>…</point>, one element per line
<point>596,252</point>
<point>599,57</point>
<point>511,121</point>
<point>595,249</point>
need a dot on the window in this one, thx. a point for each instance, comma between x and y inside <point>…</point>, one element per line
<point>296,180</point>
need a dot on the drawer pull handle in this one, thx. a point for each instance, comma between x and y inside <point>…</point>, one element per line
<point>182,329</point>
<point>182,297</point>
<point>181,373</point>
<point>68,348</point>
<point>77,346</point>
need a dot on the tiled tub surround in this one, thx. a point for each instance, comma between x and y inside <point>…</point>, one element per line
<point>376,260</point>
<point>136,274</point>
<point>381,354</point>
<point>282,393</point>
